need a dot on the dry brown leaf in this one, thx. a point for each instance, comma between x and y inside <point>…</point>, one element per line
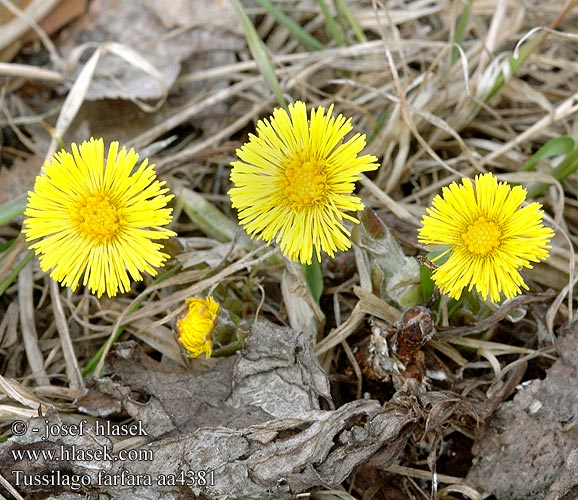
<point>19,178</point>
<point>277,459</point>
<point>13,28</point>
<point>61,15</point>
<point>278,375</point>
<point>222,420</point>
<point>184,13</point>
<point>107,20</point>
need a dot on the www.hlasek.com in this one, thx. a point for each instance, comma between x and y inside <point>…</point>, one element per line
<point>73,453</point>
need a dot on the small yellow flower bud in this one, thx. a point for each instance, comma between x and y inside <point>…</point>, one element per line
<point>194,328</point>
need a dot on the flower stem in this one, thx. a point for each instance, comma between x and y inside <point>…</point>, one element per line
<point>314,277</point>
<point>228,349</point>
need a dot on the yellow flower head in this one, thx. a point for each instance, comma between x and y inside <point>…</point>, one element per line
<point>295,179</point>
<point>195,326</point>
<point>98,217</point>
<point>487,235</point>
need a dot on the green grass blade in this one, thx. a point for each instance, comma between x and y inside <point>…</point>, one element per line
<point>14,274</point>
<point>6,245</point>
<point>461,29</point>
<point>299,33</point>
<point>564,145</point>
<point>378,125</point>
<point>343,9</point>
<point>12,209</point>
<point>334,29</point>
<point>259,53</point>
<point>527,49</point>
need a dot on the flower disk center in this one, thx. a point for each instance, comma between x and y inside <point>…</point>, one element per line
<point>482,237</point>
<point>99,218</point>
<point>304,182</point>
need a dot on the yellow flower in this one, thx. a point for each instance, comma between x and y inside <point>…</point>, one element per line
<point>488,235</point>
<point>194,328</point>
<point>295,179</point>
<point>98,217</point>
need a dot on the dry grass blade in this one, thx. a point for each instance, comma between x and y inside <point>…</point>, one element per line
<point>28,326</point>
<point>75,379</point>
<point>8,413</point>
<point>190,111</point>
<point>16,391</point>
<point>10,488</point>
<point>192,152</point>
<point>503,311</point>
<point>463,489</point>
<point>496,348</point>
<point>77,93</point>
<point>159,337</point>
<point>395,207</point>
<point>566,108</point>
<point>328,495</point>
<point>30,72</point>
<point>340,334</point>
<point>73,101</point>
<point>422,474</point>
<point>139,62</point>
<point>25,20</point>
<point>371,304</point>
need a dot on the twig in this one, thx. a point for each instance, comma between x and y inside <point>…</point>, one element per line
<point>498,316</point>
